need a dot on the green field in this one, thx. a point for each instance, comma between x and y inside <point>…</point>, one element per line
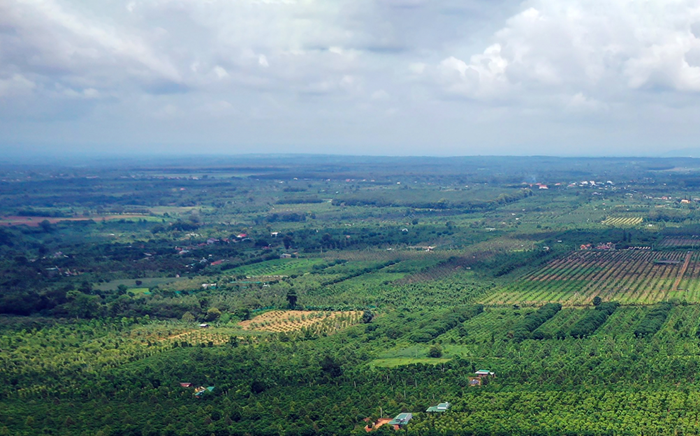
<point>583,299</point>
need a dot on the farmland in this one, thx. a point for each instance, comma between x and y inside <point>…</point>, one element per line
<point>278,321</point>
<point>626,276</point>
<point>313,293</point>
<point>623,221</point>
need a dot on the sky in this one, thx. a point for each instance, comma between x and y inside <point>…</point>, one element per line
<point>366,77</point>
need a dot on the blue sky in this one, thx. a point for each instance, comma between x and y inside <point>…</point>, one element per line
<point>391,77</point>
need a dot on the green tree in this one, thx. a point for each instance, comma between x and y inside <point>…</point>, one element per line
<point>435,351</point>
<point>292,299</point>
<point>212,314</point>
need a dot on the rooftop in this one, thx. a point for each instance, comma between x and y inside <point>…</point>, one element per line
<point>439,408</point>
<point>401,419</point>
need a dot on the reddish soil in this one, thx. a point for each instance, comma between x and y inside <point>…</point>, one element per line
<point>33,221</point>
<point>684,268</point>
<point>380,422</point>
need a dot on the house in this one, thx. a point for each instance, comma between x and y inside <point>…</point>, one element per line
<point>285,256</point>
<point>204,326</point>
<point>274,234</point>
<point>401,420</point>
<point>485,373</point>
<point>442,407</point>
<point>186,385</point>
<point>218,262</point>
<point>198,392</point>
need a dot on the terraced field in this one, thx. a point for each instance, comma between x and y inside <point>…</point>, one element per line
<point>626,276</point>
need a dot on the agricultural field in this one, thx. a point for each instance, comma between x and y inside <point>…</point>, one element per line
<point>279,321</point>
<point>679,243</point>
<point>35,221</point>
<point>131,284</point>
<point>407,276</point>
<point>623,221</point>
<point>626,276</point>
<point>277,267</point>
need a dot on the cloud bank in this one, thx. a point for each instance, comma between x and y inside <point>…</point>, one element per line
<point>362,76</point>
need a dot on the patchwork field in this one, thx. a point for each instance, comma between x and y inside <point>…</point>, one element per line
<point>34,221</point>
<point>282,321</point>
<point>623,221</point>
<point>626,276</point>
<point>275,267</point>
<point>680,242</point>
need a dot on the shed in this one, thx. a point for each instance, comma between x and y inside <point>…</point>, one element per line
<point>202,390</point>
<point>203,326</point>
<point>442,407</point>
<point>401,419</point>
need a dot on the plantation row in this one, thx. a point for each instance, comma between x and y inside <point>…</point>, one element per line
<point>690,242</point>
<point>626,276</point>
<point>278,321</point>
<point>551,322</point>
<point>622,221</point>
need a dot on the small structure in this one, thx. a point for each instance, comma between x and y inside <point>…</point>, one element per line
<point>186,385</point>
<point>204,326</point>
<point>442,407</point>
<point>198,392</point>
<point>482,373</point>
<point>285,256</point>
<point>401,420</point>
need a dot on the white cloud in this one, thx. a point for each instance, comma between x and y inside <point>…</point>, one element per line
<point>580,103</point>
<point>417,67</point>
<point>14,86</point>
<point>559,47</point>
<point>380,95</point>
<point>450,66</point>
<point>220,72</point>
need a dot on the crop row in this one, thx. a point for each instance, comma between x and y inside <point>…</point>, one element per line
<point>623,222</point>
<point>628,276</point>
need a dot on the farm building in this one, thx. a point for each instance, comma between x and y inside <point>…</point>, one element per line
<point>401,420</point>
<point>442,407</point>
<point>202,390</point>
<point>485,373</point>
